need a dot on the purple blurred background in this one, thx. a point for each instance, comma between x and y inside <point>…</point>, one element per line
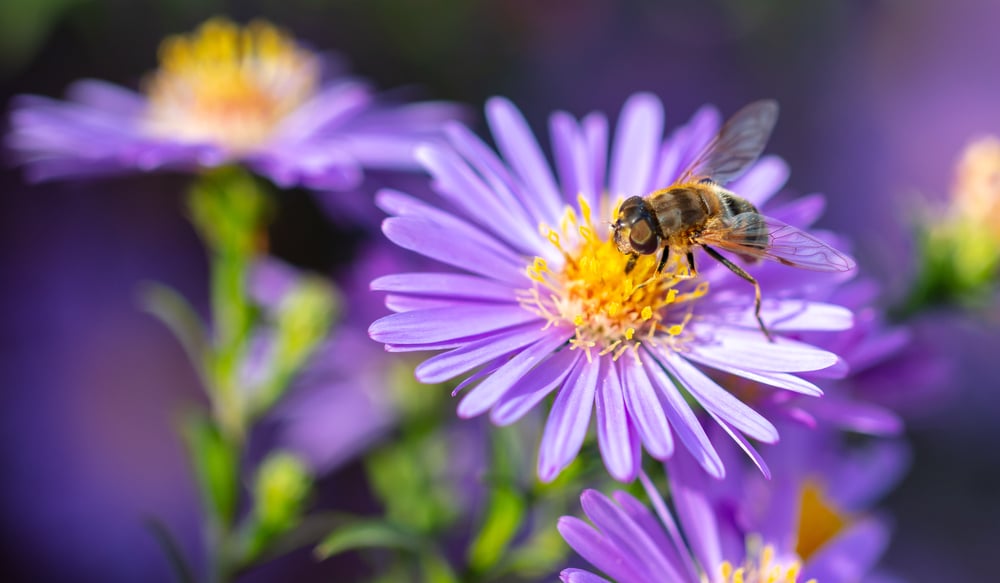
<point>877,98</point>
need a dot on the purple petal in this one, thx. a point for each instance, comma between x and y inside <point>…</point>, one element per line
<point>534,387</point>
<point>636,547</point>
<point>444,324</point>
<point>616,439</point>
<point>801,212</point>
<point>719,401</point>
<point>488,392</point>
<point>451,285</point>
<point>568,420</point>
<point>454,248</point>
<point>774,379</point>
<point>490,168</point>
<point>459,186</point>
<point>644,409</point>
<point>795,315</point>
<point>106,96</point>
<point>580,576</point>
<point>762,181</point>
<point>683,419</point>
<point>670,525</point>
<point>857,416</point>
<point>675,553</point>
<point>520,149</point>
<point>751,349</point>
<point>698,521</point>
<point>640,129</point>
<point>595,132</point>
<point>451,364</point>
<point>686,143</point>
<point>745,445</point>
<point>404,205</point>
<point>849,555</point>
<point>570,153</point>
<point>599,550</point>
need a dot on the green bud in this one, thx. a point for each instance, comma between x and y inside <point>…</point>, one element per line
<point>302,322</point>
<point>283,482</point>
<point>281,487</point>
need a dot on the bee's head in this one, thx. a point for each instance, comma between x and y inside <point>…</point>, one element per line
<point>635,231</point>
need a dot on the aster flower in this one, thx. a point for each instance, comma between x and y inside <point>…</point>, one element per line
<point>542,302</point>
<point>811,524</point>
<point>225,94</point>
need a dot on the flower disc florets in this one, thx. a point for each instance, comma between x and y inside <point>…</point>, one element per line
<point>611,310</point>
<point>229,85</point>
<point>761,567</point>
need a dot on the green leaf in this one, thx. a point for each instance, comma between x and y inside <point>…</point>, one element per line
<point>503,520</point>
<point>539,555</point>
<point>177,314</point>
<point>364,533</point>
<point>216,467</point>
<point>435,568</point>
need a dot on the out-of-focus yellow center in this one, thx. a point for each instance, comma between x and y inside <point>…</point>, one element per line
<point>612,311</point>
<point>228,85</point>
<point>762,568</point>
<point>976,191</point>
<point>819,521</point>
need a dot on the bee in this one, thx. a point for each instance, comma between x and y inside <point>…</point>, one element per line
<point>697,211</point>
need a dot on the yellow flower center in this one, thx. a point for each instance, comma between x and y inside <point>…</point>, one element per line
<point>976,191</point>
<point>762,568</point>
<point>228,85</point>
<point>612,311</point>
<point>819,521</point>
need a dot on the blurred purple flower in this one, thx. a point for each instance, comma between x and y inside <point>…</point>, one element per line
<point>811,523</point>
<point>226,95</point>
<point>545,302</point>
<point>339,403</point>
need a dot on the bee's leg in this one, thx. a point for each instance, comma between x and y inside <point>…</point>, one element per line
<point>631,262</point>
<point>756,286</point>
<point>663,259</point>
<point>691,270</point>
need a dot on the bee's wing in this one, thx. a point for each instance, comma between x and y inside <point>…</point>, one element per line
<point>737,145</point>
<point>755,235</point>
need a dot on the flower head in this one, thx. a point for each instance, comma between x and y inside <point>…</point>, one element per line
<point>543,302</point>
<point>226,94</point>
<point>811,524</point>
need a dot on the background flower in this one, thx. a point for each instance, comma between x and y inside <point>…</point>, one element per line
<point>226,94</point>
<point>812,522</point>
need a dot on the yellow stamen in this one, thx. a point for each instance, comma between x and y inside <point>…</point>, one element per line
<point>228,85</point>
<point>592,292</point>
<point>761,567</point>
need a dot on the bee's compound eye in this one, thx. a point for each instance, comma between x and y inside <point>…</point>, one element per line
<point>642,238</point>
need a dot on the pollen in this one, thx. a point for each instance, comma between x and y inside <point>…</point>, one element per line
<point>611,311</point>
<point>228,85</point>
<point>762,567</point>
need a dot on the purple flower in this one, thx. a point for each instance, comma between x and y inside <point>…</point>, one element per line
<point>542,303</point>
<point>225,95</point>
<point>810,524</point>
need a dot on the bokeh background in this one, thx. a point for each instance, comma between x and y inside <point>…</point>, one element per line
<point>878,97</point>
